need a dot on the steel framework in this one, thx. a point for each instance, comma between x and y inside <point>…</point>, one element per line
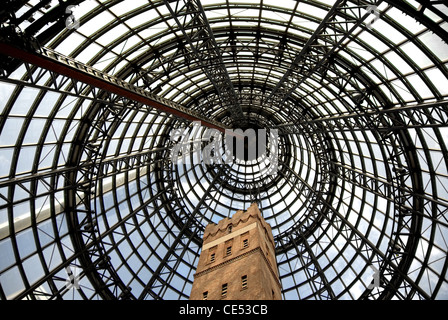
<point>93,204</point>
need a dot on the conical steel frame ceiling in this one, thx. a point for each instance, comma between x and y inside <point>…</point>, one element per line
<point>95,95</point>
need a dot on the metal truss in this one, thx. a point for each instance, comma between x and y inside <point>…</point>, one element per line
<point>133,219</point>
<point>105,121</point>
<point>192,21</point>
<point>366,249</point>
<point>82,177</point>
<point>324,152</point>
<point>321,46</point>
<point>86,76</point>
<point>321,286</point>
<point>426,115</point>
<point>400,187</point>
<point>295,238</point>
<point>189,232</point>
<point>78,195</point>
<point>82,183</point>
<point>421,17</point>
<point>49,180</point>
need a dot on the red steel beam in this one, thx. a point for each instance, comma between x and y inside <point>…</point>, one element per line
<point>102,81</point>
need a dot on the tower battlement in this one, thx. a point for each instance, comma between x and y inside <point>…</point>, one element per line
<point>237,260</point>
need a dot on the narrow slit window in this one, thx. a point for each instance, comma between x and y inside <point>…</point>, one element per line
<point>205,295</point>
<point>224,290</point>
<point>212,257</point>
<point>245,243</point>
<point>244,282</point>
<point>229,251</point>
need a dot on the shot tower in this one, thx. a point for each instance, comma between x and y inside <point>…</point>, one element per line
<point>237,261</point>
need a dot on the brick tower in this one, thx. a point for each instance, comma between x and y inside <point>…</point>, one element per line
<point>237,261</point>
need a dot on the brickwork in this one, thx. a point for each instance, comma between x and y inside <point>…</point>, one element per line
<point>237,261</point>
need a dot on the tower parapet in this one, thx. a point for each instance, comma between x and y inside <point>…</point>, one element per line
<point>237,261</point>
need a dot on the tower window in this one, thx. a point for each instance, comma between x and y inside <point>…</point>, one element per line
<point>244,282</point>
<point>212,257</point>
<point>205,295</point>
<point>229,251</point>
<point>245,243</point>
<point>224,290</point>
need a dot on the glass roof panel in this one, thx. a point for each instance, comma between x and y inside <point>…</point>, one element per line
<point>363,129</point>
<point>416,55</point>
<point>124,7</point>
<point>92,26</point>
<point>115,33</point>
<point>374,43</point>
<point>438,47</point>
<point>438,79</point>
<point>405,21</point>
<point>311,10</point>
